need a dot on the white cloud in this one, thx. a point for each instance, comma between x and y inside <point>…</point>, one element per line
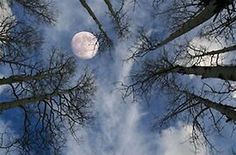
<point>7,136</point>
<point>5,10</point>
<point>203,44</point>
<point>175,141</point>
<point>2,87</point>
<point>117,125</point>
<point>118,129</point>
<point>207,45</point>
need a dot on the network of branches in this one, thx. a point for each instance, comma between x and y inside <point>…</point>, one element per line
<point>118,18</point>
<point>42,91</point>
<point>196,72</point>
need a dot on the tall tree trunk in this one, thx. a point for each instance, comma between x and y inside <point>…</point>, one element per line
<point>30,100</point>
<point>221,72</point>
<point>91,13</point>
<point>221,51</point>
<point>110,8</point>
<point>202,17</point>
<point>226,110</point>
<point>22,78</point>
<point>12,62</point>
<point>114,14</point>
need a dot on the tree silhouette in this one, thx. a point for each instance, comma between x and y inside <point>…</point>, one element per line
<point>103,38</point>
<point>42,10</point>
<point>16,38</point>
<point>223,24</point>
<point>206,107</point>
<point>121,26</point>
<point>45,94</point>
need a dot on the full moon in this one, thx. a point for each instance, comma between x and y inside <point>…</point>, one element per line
<point>84,45</point>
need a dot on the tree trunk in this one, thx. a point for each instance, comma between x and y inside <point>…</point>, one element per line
<point>221,51</point>
<point>12,62</point>
<point>110,8</point>
<point>202,17</point>
<point>22,78</point>
<point>22,102</point>
<point>221,72</point>
<point>113,13</point>
<point>225,110</point>
<point>89,10</point>
<point>29,100</point>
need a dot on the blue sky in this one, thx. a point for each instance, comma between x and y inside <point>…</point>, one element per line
<point>120,128</point>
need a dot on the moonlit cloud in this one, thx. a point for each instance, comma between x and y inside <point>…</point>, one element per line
<point>118,122</point>
<point>175,141</point>
<point>2,87</point>
<point>118,130</point>
<point>204,45</point>
<point>7,137</point>
<point>118,126</point>
<point>5,10</point>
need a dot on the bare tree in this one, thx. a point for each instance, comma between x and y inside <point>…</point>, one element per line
<point>44,93</point>
<point>104,39</point>
<point>205,115</point>
<point>210,8</point>
<point>200,55</point>
<point>208,107</point>
<point>221,29</point>
<point>203,52</point>
<point>50,104</point>
<point>118,17</point>
<point>42,10</point>
<point>17,38</point>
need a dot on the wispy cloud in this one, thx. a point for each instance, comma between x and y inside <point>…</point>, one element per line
<point>117,128</point>
<point>5,10</point>
<point>7,136</point>
<point>175,141</point>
